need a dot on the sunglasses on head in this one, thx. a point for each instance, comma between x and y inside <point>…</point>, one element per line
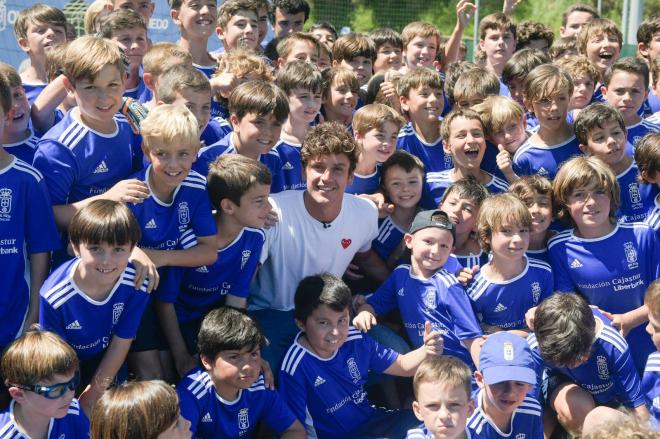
<point>53,391</point>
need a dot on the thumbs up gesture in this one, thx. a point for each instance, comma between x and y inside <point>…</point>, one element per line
<point>433,341</point>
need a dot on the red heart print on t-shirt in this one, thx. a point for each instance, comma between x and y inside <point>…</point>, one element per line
<point>346,242</point>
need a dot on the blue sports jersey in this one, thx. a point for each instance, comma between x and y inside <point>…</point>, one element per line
<point>207,70</point>
<point>139,92</point>
<point>637,200</point>
<point>433,156</point>
<point>423,433</point>
<point>33,90</point>
<point>86,324</point>
<point>531,159</point>
<point>653,217</point>
<point>292,175</point>
<point>504,303</point>
<point>526,421</point>
<point>612,272</point>
<point>436,183</point>
<point>27,226</point>
<point>609,374</point>
<point>24,149</point>
<point>213,417</point>
<point>440,300</point>
<point>218,109</point>
<point>327,394</point>
<point>74,425</point>
<point>78,162</point>
<point>365,184</point>
<point>639,130</point>
<point>472,260</point>
<point>215,130</point>
<point>225,145</point>
<point>389,237</point>
<point>201,289</point>
<point>651,385</point>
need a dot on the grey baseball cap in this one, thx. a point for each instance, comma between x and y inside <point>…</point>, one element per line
<point>432,218</point>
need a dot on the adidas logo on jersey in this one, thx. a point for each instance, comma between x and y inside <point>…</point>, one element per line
<point>400,292</point>
<point>576,264</point>
<point>207,418</point>
<point>202,269</point>
<point>74,325</point>
<point>318,381</point>
<point>542,171</point>
<point>287,166</point>
<point>101,168</point>
<point>500,308</point>
<point>151,224</point>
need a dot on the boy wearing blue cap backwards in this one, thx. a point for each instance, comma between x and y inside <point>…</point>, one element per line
<point>503,408</point>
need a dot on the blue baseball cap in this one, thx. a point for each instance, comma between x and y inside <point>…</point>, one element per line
<point>506,357</point>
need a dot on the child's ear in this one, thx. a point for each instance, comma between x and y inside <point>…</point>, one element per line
<point>148,79</point>
<point>206,362</point>
<point>584,148</point>
<point>334,63</point>
<point>174,15</point>
<point>75,248</point>
<point>407,239</point>
<point>280,62</point>
<point>446,148</point>
<point>227,205</point>
<point>417,410</point>
<point>24,45</point>
<point>300,325</point>
<point>233,120</point>
<point>145,152</point>
<point>68,85</point>
<point>16,394</point>
<point>479,379</point>
<point>220,32</point>
<point>603,89</point>
<point>403,100</point>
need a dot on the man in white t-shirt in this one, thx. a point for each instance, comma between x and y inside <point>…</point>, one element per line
<point>321,229</point>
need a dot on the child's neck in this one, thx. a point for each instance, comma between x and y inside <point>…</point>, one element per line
<point>35,73</point>
<point>546,137</point>
<point>198,49</point>
<point>418,271</point>
<point>34,424</point>
<point>428,131</point>
<point>459,173</point>
<point>365,166</point>
<point>164,195</point>
<point>500,419</point>
<point>499,269</point>
<point>15,137</point>
<point>294,131</point>
<point>5,158</point>
<point>104,127</point>
<point>242,150</point>
<point>403,216</point>
<point>496,68</point>
<point>332,116</point>
<point>539,241</point>
<point>134,77</point>
<point>466,245</point>
<point>622,165</point>
<point>228,393</point>
<point>228,229</point>
<point>632,120</point>
<point>595,231</point>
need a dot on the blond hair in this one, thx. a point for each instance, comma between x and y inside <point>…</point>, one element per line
<point>595,28</point>
<point>497,211</point>
<point>476,82</point>
<point>417,78</point>
<point>497,111</point>
<point>285,45</point>
<point>231,7</point>
<point>163,56</point>
<point>351,46</point>
<point>92,12</point>
<point>242,63</point>
<point>419,29</point>
<point>578,66</point>
<point>443,370</point>
<point>374,116</point>
<point>88,55</point>
<point>170,124</point>
<point>175,79</point>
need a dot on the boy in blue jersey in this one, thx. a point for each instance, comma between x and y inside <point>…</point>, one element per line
<point>547,93</point>
<point>424,291</point>
<point>258,110</point>
<point>375,128</point>
<point>442,387</point>
<point>601,131</point>
<point>497,40</point>
<point>28,235</point>
<point>510,283</point>
<point>357,53</point>
<point>464,140</point>
<point>600,40</point>
<point>651,377</point>
<point>421,98</point>
<point>608,263</point>
<point>301,82</point>
<point>474,86</point>
<point>238,187</point>
<point>339,95</point>
<point>505,376</point>
<point>41,372</point>
<point>91,301</point>
<point>647,158</point>
<point>625,87</point>
<point>324,372</point>
<point>589,361</point>
<point>238,25</point>
<point>38,29</point>
<point>227,398</point>
<point>196,20</point>
<point>160,58</point>
<point>18,138</point>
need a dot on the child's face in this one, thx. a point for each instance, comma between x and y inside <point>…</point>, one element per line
<point>324,36</point>
<point>538,44</point>
<point>653,328</point>
<point>41,37</point>
<point>430,249</point>
<point>327,177</point>
<point>461,211</point>
<point>342,100</point>
<point>234,370</point>
<point>133,40</point>
<point>626,93</point>
<point>325,330</point>
<point>421,52</point>
<point>551,111</point>
<point>510,242</point>
<point>324,61</point>
<point>589,206</point>
<point>607,143</point>
<point>540,208</point>
<point>102,264</point>
<point>179,430</point>
<point>466,143</point>
<point>171,162</point>
<point>257,134</point>
<point>21,112</point>
<point>254,207</point>
<point>304,105</point>
<point>498,45</point>
<point>404,189</point>
<point>583,90</point>
<point>362,66</point>
<point>35,404</point>
<point>302,51</point>
<point>198,102</point>
<point>263,23</point>
<point>286,23</point>
<point>143,7</point>
<point>388,57</point>
<point>515,86</point>
<point>651,50</point>
<point>423,104</point>
<point>603,50</point>
<point>470,101</point>
<point>504,397</point>
<point>379,143</point>
<point>196,18</point>
<point>99,99</point>
<point>511,136</point>
<point>443,408</point>
<point>242,31</point>
<point>574,23</point>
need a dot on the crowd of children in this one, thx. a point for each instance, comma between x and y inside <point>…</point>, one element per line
<point>247,243</point>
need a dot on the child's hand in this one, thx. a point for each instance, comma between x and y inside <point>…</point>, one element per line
<point>145,269</point>
<point>378,199</point>
<point>529,317</point>
<point>622,322</point>
<point>509,6</point>
<point>128,191</point>
<point>135,113</point>
<point>466,274</point>
<point>271,219</point>
<point>504,160</point>
<point>224,83</point>
<point>357,302</point>
<point>353,272</point>
<point>269,379</point>
<point>464,10</point>
<point>388,90</point>
<point>364,321</point>
<point>433,341</point>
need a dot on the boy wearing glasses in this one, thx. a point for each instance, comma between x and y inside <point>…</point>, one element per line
<point>41,372</point>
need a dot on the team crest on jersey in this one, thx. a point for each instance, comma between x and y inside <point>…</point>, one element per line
<point>62,436</point>
<point>5,204</point>
<point>353,370</point>
<point>601,365</point>
<point>243,419</point>
<point>636,139</point>
<point>656,402</point>
<point>631,255</point>
<point>536,291</point>
<point>449,163</point>
<point>521,436</point>
<point>184,213</point>
<point>633,191</point>
<point>429,298</point>
<point>245,255</point>
<point>117,309</point>
<point>508,351</point>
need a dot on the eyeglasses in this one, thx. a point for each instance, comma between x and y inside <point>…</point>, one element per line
<point>53,391</point>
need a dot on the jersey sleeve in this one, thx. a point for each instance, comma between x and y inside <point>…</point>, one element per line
<point>381,357</point>
<point>520,165</point>
<point>628,380</point>
<point>277,415</point>
<point>40,232</point>
<point>203,222</point>
<point>132,314</point>
<point>460,309</point>
<point>242,285</point>
<point>562,281</point>
<point>59,168</point>
<point>190,406</point>
<point>293,391</point>
<point>50,319</point>
<point>384,299</point>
